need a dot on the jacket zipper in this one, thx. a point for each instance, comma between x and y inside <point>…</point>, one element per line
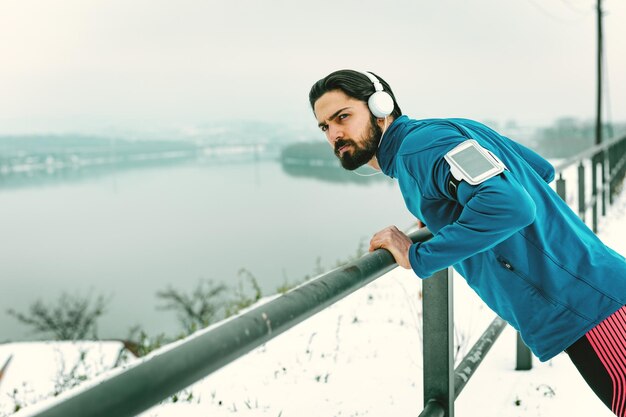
<point>507,265</point>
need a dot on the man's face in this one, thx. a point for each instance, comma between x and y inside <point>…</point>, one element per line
<point>350,128</point>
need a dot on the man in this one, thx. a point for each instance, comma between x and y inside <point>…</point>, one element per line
<point>494,218</point>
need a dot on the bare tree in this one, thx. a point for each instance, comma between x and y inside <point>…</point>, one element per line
<point>197,309</point>
<point>242,299</point>
<point>73,317</point>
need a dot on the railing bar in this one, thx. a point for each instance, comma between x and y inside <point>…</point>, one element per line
<point>477,353</point>
<point>584,154</point>
<point>171,369</point>
<point>618,166</point>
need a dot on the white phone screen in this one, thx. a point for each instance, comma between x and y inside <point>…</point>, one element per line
<point>473,162</point>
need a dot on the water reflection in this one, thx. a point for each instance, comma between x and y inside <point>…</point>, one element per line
<point>316,160</point>
<point>331,174</point>
<point>45,177</point>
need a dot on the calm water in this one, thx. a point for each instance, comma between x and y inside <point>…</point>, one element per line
<point>131,233</point>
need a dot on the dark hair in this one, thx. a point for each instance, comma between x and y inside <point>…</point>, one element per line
<point>354,84</point>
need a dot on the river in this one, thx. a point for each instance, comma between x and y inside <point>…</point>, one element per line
<point>128,233</point>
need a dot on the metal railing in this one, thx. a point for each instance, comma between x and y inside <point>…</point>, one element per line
<point>173,368</point>
<point>608,167</point>
<point>443,383</point>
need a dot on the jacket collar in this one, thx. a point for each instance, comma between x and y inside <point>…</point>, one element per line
<point>389,145</point>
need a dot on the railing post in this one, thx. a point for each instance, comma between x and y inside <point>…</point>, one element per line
<point>560,187</point>
<point>611,153</point>
<point>438,341</point>
<point>604,180</point>
<point>524,356</point>
<point>594,193</point>
<point>619,166</point>
<point>582,200</point>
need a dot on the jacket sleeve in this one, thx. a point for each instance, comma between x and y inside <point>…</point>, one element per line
<point>536,162</point>
<point>491,212</point>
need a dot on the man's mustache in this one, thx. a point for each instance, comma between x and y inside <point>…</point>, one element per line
<point>340,143</point>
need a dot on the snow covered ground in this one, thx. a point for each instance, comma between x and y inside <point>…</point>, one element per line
<point>360,357</point>
<point>39,369</point>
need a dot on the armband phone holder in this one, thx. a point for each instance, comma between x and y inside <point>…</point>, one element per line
<point>472,163</point>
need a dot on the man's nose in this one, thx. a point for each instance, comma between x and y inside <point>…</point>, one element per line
<point>334,133</point>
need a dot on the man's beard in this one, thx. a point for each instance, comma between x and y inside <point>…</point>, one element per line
<point>360,154</point>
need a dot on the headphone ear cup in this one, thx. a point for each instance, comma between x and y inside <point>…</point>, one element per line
<point>380,104</point>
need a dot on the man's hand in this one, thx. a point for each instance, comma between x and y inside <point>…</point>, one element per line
<point>395,242</point>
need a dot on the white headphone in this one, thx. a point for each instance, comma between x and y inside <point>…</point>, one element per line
<point>380,103</point>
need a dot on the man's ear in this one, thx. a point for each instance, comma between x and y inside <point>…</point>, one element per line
<point>382,122</point>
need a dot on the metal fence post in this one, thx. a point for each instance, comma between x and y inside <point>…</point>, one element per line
<point>611,153</point>
<point>594,193</point>
<point>620,162</point>
<point>524,357</point>
<point>604,160</point>
<point>582,200</point>
<point>438,341</point>
<point>560,187</point>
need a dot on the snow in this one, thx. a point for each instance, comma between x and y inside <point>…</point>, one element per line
<point>359,357</point>
<point>39,369</point>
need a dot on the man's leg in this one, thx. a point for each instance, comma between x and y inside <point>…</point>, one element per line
<point>600,357</point>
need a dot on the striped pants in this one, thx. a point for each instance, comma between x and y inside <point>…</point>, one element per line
<point>600,356</point>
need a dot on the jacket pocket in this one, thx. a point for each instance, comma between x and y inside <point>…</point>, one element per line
<point>508,266</point>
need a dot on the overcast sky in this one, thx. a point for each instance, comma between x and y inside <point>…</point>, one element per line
<point>90,65</point>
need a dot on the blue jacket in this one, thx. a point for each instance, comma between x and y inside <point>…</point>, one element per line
<point>518,245</point>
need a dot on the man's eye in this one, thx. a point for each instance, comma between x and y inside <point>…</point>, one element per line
<point>343,116</point>
<point>324,128</point>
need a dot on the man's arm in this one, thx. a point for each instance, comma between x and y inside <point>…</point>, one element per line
<point>492,211</point>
